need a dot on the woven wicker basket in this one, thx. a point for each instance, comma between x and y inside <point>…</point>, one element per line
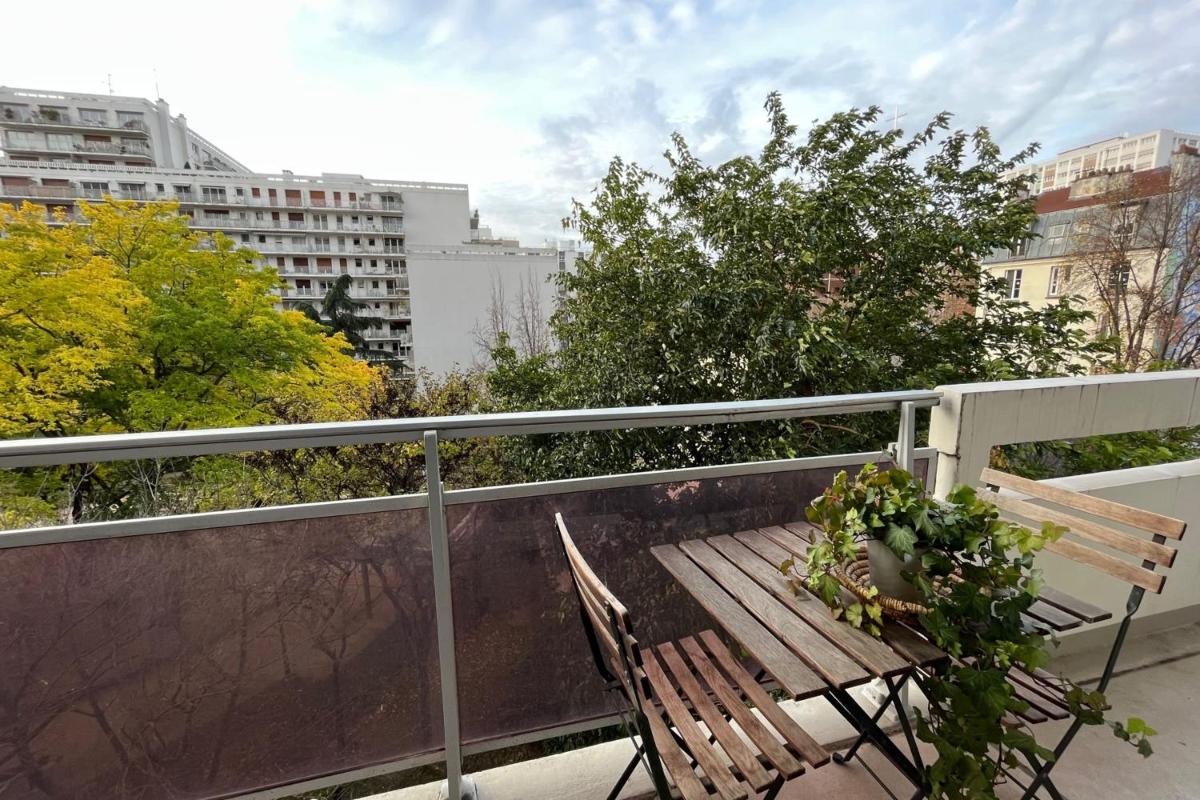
<point>856,576</point>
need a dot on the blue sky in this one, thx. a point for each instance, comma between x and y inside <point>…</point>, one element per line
<point>528,100</point>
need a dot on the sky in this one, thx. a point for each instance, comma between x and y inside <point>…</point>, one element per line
<point>528,100</point>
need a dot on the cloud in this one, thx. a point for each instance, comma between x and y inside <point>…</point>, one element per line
<point>528,100</point>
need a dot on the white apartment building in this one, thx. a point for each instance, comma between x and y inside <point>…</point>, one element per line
<point>60,148</point>
<point>1124,153</point>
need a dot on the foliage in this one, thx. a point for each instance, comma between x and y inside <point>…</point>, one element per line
<point>845,261</point>
<point>341,314</point>
<point>132,322</point>
<point>374,470</point>
<point>1061,458</point>
<point>977,577</point>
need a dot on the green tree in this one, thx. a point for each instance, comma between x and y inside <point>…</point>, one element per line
<point>133,322</point>
<point>340,314</point>
<point>846,261</point>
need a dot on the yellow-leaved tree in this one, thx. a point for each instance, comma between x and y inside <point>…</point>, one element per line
<point>131,321</point>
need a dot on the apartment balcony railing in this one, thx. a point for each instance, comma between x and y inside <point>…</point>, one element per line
<point>113,148</point>
<point>312,644</point>
<point>66,120</point>
<point>49,192</point>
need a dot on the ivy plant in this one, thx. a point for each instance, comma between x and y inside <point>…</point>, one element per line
<point>977,578</point>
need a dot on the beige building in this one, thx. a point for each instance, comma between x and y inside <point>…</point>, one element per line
<point>1037,270</point>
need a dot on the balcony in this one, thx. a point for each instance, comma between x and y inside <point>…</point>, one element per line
<point>278,650</point>
<point>68,121</point>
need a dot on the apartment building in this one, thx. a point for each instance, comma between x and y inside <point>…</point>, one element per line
<point>1124,153</point>
<point>61,148</point>
<point>1116,217</point>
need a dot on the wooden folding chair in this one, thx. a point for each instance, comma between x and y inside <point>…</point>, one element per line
<point>1040,689</point>
<point>667,690</point>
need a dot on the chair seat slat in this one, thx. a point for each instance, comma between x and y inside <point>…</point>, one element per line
<point>733,745</point>
<point>681,719</point>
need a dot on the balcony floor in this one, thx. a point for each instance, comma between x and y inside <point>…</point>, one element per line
<point>1158,679</point>
<point>1097,765</point>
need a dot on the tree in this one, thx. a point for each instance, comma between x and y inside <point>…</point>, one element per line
<point>340,473</point>
<point>823,265</point>
<point>522,323</point>
<point>132,322</point>
<point>343,314</point>
<point>1136,253</point>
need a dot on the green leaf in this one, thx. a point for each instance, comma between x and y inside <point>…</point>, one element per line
<point>900,539</point>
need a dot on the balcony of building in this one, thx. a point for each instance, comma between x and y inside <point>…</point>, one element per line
<point>62,120</point>
<point>269,652</point>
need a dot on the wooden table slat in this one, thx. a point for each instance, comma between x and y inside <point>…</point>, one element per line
<point>901,640</point>
<point>816,651</point>
<point>873,654</point>
<point>781,663</point>
<point>786,539</point>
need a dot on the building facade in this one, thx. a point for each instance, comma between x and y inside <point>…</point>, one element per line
<point>1125,153</point>
<point>1107,238</point>
<point>60,149</point>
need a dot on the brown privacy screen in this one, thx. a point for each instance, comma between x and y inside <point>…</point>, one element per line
<point>523,660</point>
<point>214,662</point>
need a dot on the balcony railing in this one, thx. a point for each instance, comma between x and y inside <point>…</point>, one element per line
<point>306,643</point>
<point>66,120</point>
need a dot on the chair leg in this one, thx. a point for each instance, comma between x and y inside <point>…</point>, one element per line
<point>774,789</point>
<point>662,787</point>
<point>626,775</point>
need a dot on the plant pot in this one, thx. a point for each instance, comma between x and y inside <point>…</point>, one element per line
<point>886,567</point>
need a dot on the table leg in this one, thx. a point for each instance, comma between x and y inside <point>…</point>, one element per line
<point>865,724</point>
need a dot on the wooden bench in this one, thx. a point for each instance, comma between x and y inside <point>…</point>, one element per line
<point>1133,554</point>
<point>669,689</point>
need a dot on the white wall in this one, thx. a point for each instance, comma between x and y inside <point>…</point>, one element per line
<point>1171,489</point>
<point>436,217</point>
<point>452,293</point>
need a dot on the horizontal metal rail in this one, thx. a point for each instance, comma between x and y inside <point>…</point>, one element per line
<point>117,447</point>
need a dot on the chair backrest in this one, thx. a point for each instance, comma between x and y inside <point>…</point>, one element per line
<point>1154,552</point>
<point>607,624</point>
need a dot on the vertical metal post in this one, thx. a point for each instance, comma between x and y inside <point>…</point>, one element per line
<point>906,439</point>
<point>444,612</point>
<point>906,445</point>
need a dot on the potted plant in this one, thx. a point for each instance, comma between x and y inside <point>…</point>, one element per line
<point>974,576</point>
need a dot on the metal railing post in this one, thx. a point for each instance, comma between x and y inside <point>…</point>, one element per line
<point>905,447</point>
<point>906,439</point>
<point>439,544</point>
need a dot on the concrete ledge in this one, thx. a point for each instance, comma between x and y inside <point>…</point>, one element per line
<point>590,772</point>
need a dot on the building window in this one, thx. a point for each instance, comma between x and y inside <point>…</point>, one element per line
<point>1012,281</point>
<point>1057,277</point>
<point>1118,278</point>
<point>93,189</point>
<point>213,194</point>
<point>1057,231</point>
<point>1019,247</point>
